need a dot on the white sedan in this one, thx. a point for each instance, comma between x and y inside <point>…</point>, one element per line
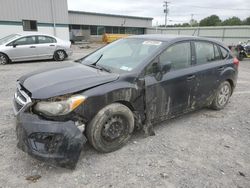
<point>33,46</point>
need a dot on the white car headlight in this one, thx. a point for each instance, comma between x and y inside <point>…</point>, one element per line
<point>59,108</point>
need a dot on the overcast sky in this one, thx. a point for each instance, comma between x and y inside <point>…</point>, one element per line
<point>179,10</point>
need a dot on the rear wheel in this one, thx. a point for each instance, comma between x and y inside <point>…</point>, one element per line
<point>3,59</point>
<point>222,96</point>
<point>59,55</point>
<point>111,128</point>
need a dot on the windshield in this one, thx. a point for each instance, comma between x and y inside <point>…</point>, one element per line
<point>123,55</point>
<point>8,38</point>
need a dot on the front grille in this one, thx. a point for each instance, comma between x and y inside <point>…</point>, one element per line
<point>21,100</point>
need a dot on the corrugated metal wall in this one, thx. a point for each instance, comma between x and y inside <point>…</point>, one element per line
<point>227,34</point>
<point>81,18</point>
<point>40,10</point>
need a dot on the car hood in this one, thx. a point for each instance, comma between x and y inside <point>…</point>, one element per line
<point>67,79</point>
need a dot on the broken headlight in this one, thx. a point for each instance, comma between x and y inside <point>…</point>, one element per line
<point>59,108</point>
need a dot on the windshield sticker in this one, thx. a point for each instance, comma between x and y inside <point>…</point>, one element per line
<point>155,43</point>
<point>126,68</point>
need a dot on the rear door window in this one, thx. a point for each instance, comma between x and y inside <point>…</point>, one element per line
<point>46,39</point>
<point>217,55</point>
<point>204,52</point>
<point>224,53</point>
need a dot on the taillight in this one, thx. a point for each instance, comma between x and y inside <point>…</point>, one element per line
<point>236,62</point>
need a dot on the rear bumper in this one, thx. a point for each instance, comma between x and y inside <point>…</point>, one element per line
<point>59,143</point>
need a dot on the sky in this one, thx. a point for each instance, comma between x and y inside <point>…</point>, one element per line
<point>179,10</point>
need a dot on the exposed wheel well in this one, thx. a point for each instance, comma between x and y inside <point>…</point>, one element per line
<point>128,104</point>
<point>231,84</point>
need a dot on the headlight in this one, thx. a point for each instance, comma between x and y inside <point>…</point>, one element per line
<point>59,108</point>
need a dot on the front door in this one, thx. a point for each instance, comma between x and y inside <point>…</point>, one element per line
<point>170,93</point>
<point>23,49</point>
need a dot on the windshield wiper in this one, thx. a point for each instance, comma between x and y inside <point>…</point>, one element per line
<point>100,68</point>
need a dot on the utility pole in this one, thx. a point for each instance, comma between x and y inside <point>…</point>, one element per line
<point>191,21</point>
<point>165,4</point>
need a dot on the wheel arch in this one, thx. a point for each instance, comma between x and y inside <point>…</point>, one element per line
<point>6,56</point>
<point>231,84</point>
<point>126,103</point>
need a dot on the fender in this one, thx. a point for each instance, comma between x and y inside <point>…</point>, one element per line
<point>230,74</point>
<point>127,93</point>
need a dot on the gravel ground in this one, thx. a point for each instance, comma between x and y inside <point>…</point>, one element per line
<point>205,148</point>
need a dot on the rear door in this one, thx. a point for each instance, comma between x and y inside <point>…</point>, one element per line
<point>46,47</point>
<point>170,93</point>
<point>209,65</point>
<point>23,49</point>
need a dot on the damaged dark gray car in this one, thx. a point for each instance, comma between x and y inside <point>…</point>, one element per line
<point>128,84</point>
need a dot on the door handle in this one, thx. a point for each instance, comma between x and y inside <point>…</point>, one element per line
<point>32,47</point>
<point>191,77</point>
<point>52,45</point>
<point>221,68</point>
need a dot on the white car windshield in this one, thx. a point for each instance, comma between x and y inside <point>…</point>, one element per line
<point>123,55</point>
<point>8,38</point>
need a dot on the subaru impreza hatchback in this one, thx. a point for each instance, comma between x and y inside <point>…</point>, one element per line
<point>129,84</point>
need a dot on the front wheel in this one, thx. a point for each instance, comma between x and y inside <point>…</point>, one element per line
<point>3,59</point>
<point>111,128</point>
<point>59,55</point>
<point>222,96</point>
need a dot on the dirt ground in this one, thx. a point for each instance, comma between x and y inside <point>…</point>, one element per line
<point>205,148</point>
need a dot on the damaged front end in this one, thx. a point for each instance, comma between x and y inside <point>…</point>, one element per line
<point>56,142</point>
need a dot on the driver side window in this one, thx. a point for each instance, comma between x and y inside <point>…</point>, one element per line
<point>178,55</point>
<point>26,40</point>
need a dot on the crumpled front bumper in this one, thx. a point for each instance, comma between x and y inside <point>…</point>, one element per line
<point>59,143</point>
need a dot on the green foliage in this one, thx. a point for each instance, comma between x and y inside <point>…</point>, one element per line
<point>232,21</point>
<point>212,20</point>
<point>247,21</point>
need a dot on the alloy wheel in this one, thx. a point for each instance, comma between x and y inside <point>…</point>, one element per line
<point>3,60</point>
<point>224,95</point>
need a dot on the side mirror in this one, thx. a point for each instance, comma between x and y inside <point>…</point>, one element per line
<point>155,68</point>
<point>14,45</point>
<point>166,67</point>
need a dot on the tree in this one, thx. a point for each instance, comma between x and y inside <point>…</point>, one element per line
<point>185,25</point>
<point>246,21</point>
<point>232,21</point>
<point>212,20</point>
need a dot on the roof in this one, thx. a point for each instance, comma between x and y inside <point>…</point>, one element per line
<point>111,15</point>
<point>162,37</point>
<point>169,37</point>
<point>33,33</point>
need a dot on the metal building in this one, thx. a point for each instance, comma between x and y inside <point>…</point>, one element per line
<point>95,24</point>
<point>46,16</point>
<point>52,17</point>
<point>230,35</point>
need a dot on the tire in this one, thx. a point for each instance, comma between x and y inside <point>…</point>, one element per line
<point>111,128</point>
<point>59,55</point>
<point>3,59</point>
<point>222,96</point>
